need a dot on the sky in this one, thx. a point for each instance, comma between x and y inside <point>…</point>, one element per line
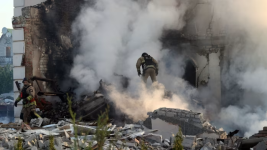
<point>6,14</point>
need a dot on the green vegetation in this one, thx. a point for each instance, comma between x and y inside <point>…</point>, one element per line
<point>143,145</point>
<point>6,79</point>
<point>19,144</point>
<point>73,117</point>
<point>102,129</point>
<point>51,143</point>
<point>178,140</point>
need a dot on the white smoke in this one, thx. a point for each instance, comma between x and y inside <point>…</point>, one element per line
<point>244,70</point>
<point>114,35</point>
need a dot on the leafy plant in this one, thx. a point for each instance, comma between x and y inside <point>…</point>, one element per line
<point>178,140</point>
<point>73,117</point>
<point>19,144</point>
<point>102,129</point>
<point>51,143</point>
<point>6,79</point>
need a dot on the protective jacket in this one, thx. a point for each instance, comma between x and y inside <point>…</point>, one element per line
<point>146,62</point>
<point>27,95</point>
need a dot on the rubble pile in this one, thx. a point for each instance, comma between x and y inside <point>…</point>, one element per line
<point>130,136</point>
<point>191,122</point>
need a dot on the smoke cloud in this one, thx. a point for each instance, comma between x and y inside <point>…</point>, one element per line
<point>244,65</point>
<point>114,35</point>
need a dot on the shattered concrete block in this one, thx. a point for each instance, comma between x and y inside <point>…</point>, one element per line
<point>129,144</point>
<point>46,144</point>
<point>5,143</point>
<point>170,114</point>
<point>34,148</point>
<point>41,144</point>
<point>167,140</point>
<point>58,141</point>
<point>83,129</point>
<point>134,135</point>
<point>66,144</point>
<point>154,137</point>
<point>156,144</point>
<point>27,145</point>
<point>31,138</point>
<point>58,147</point>
<point>260,145</point>
<point>112,128</point>
<point>166,144</point>
<point>83,144</point>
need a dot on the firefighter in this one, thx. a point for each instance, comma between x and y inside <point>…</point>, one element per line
<point>149,66</point>
<point>27,94</point>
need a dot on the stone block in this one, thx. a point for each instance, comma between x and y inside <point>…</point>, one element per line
<point>31,138</point>
<point>58,141</point>
<point>41,144</point>
<point>161,113</point>
<point>58,147</point>
<point>27,145</point>
<point>33,148</point>
<point>46,144</point>
<point>170,114</point>
<point>154,137</point>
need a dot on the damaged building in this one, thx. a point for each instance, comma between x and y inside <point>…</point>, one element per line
<point>43,44</point>
<point>43,48</point>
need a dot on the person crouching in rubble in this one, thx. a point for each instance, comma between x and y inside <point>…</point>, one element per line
<point>149,66</point>
<point>27,94</point>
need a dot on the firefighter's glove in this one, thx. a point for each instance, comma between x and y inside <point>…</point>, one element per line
<point>16,103</point>
<point>157,71</point>
<point>29,98</point>
<point>139,73</point>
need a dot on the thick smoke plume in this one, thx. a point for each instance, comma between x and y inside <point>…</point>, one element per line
<point>114,35</point>
<point>244,70</point>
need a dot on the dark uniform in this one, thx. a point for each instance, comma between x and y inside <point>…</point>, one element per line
<point>149,66</point>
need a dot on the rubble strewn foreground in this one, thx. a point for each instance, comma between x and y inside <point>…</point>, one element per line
<point>141,135</point>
